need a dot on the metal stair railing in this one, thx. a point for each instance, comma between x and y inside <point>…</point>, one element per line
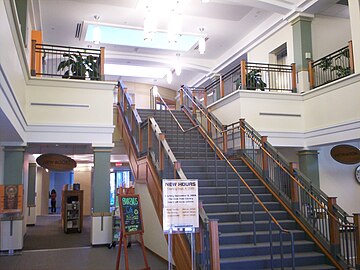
<point>337,231</point>
<point>167,167</point>
<point>194,107</point>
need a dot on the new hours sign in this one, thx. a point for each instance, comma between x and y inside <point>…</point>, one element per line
<point>180,205</point>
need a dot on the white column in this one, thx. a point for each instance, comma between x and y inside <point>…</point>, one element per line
<point>354,12</point>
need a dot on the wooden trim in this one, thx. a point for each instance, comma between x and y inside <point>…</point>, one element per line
<point>214,245</point>
<point>351,55</point>
<point>242,133</point>
<point>144,166</point>
<point>293,77</point>
<point>32,59</point>
<point>311,74</point>
<point>181,97</point>
<point>333,227</point>
<point>102,63</point>
<point>295,217</point>
<point>357,239</point>
<point>205,98</point>
<point>225,137</point>
<point>265,165</point>
<point>243,74</point>
<point>222,87</point>
<point>294,187</point>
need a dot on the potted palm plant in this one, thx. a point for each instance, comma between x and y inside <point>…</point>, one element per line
<point>77,66</point>
<point>254,81</point>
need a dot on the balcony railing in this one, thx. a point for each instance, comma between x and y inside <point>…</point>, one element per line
<point>253,76</point>
<point>67,62</point>
<point>331,67</point>
<point>337,231</point>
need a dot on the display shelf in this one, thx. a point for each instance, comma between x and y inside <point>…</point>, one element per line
<point>72,210</point>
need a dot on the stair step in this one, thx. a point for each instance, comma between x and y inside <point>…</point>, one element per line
<point>216,207</point>
<point>262,262</point>
<point>233,198</point>
<point>263,248</point>
<point>260,225</point>
<point>226,238</point>
<point>247,215</point>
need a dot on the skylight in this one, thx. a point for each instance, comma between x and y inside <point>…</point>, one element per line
<point>135,38</point>
<point>135,71</point>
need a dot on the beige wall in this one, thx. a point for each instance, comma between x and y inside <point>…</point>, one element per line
<point>142,93</point>
<point>261,52</point>
<point>83,177</point>
<point>324,41</point>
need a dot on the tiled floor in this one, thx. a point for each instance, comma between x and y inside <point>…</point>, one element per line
<point>60,251</point>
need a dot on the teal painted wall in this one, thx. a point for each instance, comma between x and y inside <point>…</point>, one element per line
<point>101,180</point>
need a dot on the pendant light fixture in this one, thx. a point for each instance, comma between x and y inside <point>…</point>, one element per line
<point>96,31</point>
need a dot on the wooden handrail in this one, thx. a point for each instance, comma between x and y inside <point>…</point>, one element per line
<point>143,168</point>
<point>222,156</point>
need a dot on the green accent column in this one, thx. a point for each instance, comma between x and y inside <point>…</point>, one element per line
<point>21,9</point>
<point>13,165</point>
<point>302,41</point>
<point>31,185</point>
<point>101,179</point>
<point>309,165</point>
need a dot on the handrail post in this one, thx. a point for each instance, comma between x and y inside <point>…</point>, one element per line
<point>205,98</point>
<point>333,228</point>
<point>181,97</point>
<point>161,153</point>
<point>149,136</point>
<point>243,74</point>
<point>293,77</point>
<point>118,94</point>
<point>102,63</point>
<point>209,125</point>
<point>177,166</point>
<point>357,240</point>
<point>140,139</point>
<point>32,59</point>
<point>351,57</point>
<point>214,245</point>
<point>294,188</point>
<point>242,133</point>
<point>222,89</point>
<point>265,165</point>
<point>199,236</point>
<point>225,139</point>
<point>311,74</point>
<point>133,120</point>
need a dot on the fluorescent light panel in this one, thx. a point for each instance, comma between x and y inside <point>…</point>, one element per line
<point>135,71</point>
<point>135,37</point>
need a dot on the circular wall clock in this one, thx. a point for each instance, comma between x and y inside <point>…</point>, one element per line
<point>357,174</point>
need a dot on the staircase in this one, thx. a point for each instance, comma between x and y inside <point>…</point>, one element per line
<point>237,249</point>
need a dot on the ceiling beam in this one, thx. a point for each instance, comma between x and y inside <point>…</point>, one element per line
<point>277,6</point>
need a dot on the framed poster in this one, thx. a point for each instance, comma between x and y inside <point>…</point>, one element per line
<point>11,198</point>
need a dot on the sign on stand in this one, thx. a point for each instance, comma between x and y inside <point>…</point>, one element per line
<point>131,223</point>
<point>180,211</point>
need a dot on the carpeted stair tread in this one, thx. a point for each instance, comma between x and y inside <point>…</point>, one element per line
<point>258,232</point>
<point>262,244</point>
<point>303,255</point>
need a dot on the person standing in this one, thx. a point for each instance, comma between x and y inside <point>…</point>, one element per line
<point>53,201</point>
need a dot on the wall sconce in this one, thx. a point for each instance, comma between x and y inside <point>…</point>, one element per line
<point>308,55</point>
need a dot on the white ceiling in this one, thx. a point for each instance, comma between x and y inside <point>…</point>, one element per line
<point>229,24</point>
<point>226,23</point>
